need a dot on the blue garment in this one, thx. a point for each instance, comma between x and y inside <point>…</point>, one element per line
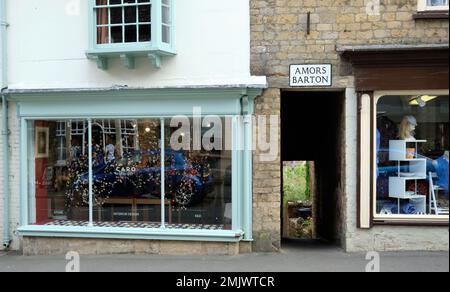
<point>442,173</point>
<point>378,149</point>
<point>405,208</point>
<point>408,208</point>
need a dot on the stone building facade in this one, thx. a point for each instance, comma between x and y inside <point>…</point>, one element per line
<point>286,32</point>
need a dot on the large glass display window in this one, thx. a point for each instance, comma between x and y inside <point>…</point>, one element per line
<point>127,173</point>
<point>412,153</point>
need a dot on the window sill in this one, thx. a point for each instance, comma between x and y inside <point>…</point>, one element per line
<point>127,55</point>
<point>405,222</point>
<point>438,14</point>
<point>130,233</point>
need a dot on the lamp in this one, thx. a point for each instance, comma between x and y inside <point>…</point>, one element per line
<point>421,100</point>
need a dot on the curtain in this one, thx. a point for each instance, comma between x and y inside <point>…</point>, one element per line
<point>102,31</point>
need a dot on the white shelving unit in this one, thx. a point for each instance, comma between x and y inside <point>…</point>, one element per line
<point>417,170</point>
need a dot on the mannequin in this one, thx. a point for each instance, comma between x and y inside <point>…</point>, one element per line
<point>441,166</point>
<point>407,127</point>
<point>110,151</point>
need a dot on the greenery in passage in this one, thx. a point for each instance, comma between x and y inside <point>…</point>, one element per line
<point>296,182</point>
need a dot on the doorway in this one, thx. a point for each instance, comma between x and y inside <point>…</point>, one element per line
<point>312,139</point>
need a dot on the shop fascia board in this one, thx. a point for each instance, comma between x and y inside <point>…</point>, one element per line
<point>119,92</point>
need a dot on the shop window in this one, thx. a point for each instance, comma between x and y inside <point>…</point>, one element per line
<point>130,29</point>
<point>127,176</point>
<point>411,154</point>
<point>432,5</point>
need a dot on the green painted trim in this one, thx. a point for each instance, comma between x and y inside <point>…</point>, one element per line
<point>247,178</point>
<point>117,94</point>
<point>163,171</point>
<point>6,185</point>
<point>30,106</point>
<point>24,214</point>
<point>235,175</point>
<point>156,23</point>
<point>102,62</point>
<point>91,174</point>
<point>131,233</point>
<point>132,103</point>
<point>156,60</point>
<point>128,61</point>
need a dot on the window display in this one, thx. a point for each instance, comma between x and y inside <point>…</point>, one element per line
<point>412,155</point>
<point>126,176</point>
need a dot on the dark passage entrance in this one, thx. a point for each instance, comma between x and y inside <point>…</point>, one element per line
<point>312,129</point>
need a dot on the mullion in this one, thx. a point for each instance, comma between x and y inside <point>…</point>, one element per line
<point>123,23</point>
<point>137,23</point>
<point>109,24</point>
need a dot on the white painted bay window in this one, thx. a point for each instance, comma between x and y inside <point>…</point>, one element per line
<point>128,29</point>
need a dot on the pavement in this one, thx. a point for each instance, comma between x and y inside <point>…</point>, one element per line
<point>292,258</point>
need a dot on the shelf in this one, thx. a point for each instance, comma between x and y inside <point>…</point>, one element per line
<point>397,186</point>
<point>397,150</point>
<point>407,197</point>
<point>417,141</point>
<point>415,166</point>
<point>411,178</point>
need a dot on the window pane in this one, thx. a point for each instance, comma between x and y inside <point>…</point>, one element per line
<point>116,34</point>
<point>165,15</point>
<point>412,155</point>
<point>116,15</point>
<point>166,34</point>
<point>144,13</point>
<point>102,16</point>
<point>111,22</point>
<point>130,34</point>
<point>198,181</point>
<point>102,35</point>
<point>130,14</point>
<point>58,172</point>
<point>144,33</point>
<point>127,172</point>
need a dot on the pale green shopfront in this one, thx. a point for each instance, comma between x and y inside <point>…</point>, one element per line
<point>91,165</point>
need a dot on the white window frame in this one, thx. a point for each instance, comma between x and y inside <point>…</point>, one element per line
<point>422,6</point>
<point>398,217</point>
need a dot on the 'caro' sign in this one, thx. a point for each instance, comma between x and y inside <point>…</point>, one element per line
<point>310,75</point>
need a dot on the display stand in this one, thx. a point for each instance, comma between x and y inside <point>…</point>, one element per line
<point>416,170</point>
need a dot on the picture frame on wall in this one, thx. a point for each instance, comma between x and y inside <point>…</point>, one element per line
<point>42,140</point>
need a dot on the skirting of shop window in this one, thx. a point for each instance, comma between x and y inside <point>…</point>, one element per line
<point>136,225</point>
